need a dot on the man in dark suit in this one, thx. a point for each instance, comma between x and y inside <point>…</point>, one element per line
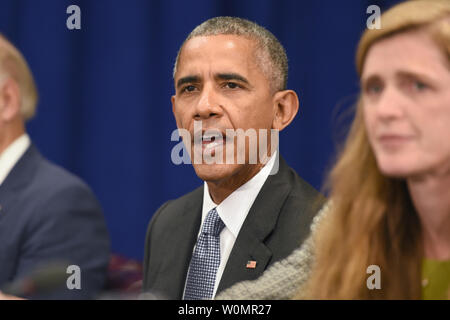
<point>48,217</point>
<point>230,75</point>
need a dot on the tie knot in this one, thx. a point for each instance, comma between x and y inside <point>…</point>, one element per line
<point>213,225</point>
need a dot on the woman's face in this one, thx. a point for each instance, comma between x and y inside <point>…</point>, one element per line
<point>406,105</point>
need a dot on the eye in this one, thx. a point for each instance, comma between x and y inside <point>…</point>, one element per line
<point>419,85</point>
<point>414,84</point>
<point>374,88</point>
<point>189,88</point>
<point>232,85</point>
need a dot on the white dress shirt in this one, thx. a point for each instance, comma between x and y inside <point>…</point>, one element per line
<point>233,211</point>
<point>12,154</point>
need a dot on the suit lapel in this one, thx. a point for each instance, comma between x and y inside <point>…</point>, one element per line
<point>21,173</point>
<point>7,200</point>
<point>260,222</point>
<point>185,232</point>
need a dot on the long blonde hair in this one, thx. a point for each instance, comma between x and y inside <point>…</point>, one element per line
<point>373,220</point>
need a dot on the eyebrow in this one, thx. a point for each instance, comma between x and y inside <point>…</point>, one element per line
<point>187,79</point>
<point>407,74</point>
<point>401,74</point>
<point>232,76</point>
<point>221,76</point>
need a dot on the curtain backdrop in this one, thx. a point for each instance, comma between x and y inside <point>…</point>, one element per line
<point>104,111</point>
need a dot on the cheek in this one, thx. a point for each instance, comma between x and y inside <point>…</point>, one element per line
<point>432,123</point>
<point>258,115</point>
<point>255,118</point>
<point>433,120</point>
<point>178,121</point>
<point>434,135</point>
<point>181,119</point>
<point>369,123</point>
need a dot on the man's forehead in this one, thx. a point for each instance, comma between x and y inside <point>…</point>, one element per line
<point>221,53</point>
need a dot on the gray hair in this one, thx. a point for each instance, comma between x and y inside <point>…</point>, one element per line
<point>14,65</point>
<point>269,51</point>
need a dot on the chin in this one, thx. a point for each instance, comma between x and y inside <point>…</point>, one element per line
<point>397,168</point>
<point>394,172</point>
<point>215,172</point>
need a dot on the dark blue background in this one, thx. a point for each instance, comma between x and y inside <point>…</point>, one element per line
<point>104,111</point>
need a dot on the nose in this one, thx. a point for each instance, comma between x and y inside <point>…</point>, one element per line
<point>208,105</point>
<point>391,105</point>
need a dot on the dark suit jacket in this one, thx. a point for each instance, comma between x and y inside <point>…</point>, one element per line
<point>46,215</point>
<point>276,224</point>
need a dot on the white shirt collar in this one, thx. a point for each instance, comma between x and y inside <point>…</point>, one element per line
<point>11,155</point>
<point>234,209</point>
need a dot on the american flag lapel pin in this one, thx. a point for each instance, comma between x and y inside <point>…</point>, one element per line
<point>251,264</point>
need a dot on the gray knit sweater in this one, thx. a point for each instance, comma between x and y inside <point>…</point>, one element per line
<point>284,279</point>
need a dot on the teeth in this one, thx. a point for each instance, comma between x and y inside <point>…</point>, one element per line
<point>209,136</point>
<point>213,145</point>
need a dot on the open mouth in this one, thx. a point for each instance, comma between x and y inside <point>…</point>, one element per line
<point>212,140</point>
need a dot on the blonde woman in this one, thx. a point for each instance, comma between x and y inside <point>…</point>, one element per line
<point>390,187</point>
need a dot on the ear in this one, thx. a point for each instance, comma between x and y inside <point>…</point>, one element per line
<point>9,100</point>
<point>285,107</point>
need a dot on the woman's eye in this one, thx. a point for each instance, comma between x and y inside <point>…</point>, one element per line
<point>374,89</point>
<point>413,85</point>
<point>419,85</point>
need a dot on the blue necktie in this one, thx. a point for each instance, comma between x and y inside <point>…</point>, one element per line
<point>205,260</point>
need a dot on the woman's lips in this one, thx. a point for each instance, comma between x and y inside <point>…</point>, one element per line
<point>393,140</point>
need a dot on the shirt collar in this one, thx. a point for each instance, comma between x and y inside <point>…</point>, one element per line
<point>234,209</point>
<point>12,154</point>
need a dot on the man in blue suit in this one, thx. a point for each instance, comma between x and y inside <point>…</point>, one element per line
<point>47,215</point>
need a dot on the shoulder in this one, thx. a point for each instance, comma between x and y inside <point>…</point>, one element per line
<point>302,201</point>
<point>301,194</point>
<point>174,210</point>
<point>35,175</point>
<point>304,193</point>
<point>54,192</point>
<point>54,178</point>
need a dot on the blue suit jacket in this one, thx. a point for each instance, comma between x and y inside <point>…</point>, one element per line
<point>48,214</point>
